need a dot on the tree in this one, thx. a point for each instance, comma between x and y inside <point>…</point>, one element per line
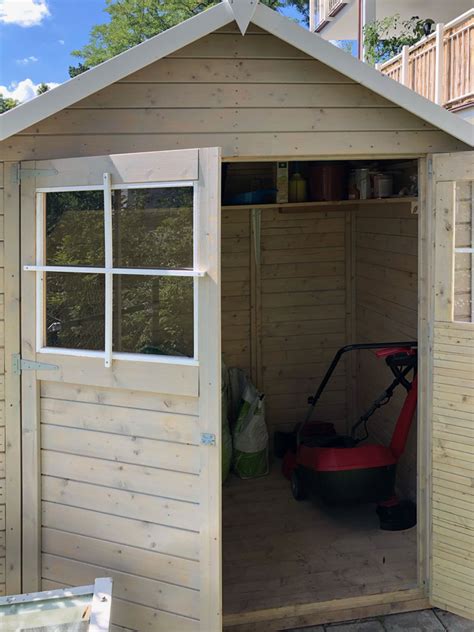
<point>134,21</point>
<point>385,38</point>
<point>42,88</point>
<point>7,103</point>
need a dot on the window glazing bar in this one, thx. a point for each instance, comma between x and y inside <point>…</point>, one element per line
<point>130,271</point>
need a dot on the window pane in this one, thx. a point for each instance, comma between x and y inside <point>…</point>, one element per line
<point>153,228</point>
<point>464,262</point>
<point>75,228</point>
<point>75,310</point>
<point>153,315</point>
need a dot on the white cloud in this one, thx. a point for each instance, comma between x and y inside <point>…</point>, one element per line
<point>23,12</point>
<point>22,90</point>
<point>27,60</point>
<point>61,42</point>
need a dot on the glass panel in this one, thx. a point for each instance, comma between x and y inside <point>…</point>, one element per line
<point>153,315</point>
<point>153,228</point>
<point>75,310</point>
<point>464,262</point>
<point>75,228</point>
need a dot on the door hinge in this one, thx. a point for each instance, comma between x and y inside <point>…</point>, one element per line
<point>19,173</point>
<point>19,365</point>
<point>208,438</point>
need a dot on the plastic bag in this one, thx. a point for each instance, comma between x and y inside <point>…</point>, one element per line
<point>250,436</point>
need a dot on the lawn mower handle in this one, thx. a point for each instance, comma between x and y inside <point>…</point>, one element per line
<point>355,347</point>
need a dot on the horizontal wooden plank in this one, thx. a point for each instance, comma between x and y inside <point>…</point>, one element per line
<point>161,454</point>
<point>168,378</point>
<point>266,145</point>
<point>120,420</point>
<point>246,120</point>
<point>225,95</point>
<point>134,616</point>
<point>132,587</point>
<point>120,397</point>
<point>120,557</point>
<point>118,475</point>
<point>174,166</point>
<point>173,70</point>
<point>138,506</point>
<point>144,535</point>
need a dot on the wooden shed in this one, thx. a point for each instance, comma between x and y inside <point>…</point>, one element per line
<point>147,233</point>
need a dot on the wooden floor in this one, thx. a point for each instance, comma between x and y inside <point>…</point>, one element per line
<point>277,551</point>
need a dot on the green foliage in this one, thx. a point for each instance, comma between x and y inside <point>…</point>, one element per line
<point>7,104</point>
<point>152,228</point>
<point>380,45</point>
<point>134,21</point>
<point>77,70</point>
<point>42,88</point>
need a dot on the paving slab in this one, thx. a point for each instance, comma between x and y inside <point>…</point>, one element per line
<point>421,621</point>
<point>357,626</point>
<point>312,628</point>
<point>453,623</point>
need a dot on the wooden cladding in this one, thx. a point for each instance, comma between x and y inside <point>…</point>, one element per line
<point>120,492</point>
<point>253,96</point>
<point>386,297</point>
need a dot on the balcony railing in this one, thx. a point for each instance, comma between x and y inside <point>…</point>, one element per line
<point>440,67</point>
<point>321,12</point>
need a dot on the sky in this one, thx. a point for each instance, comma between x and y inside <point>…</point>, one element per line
<point>36,40</point>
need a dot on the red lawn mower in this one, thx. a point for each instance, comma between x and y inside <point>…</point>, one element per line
<point>338,468</point>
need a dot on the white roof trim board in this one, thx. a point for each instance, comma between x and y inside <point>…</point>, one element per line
<point>244,12</point>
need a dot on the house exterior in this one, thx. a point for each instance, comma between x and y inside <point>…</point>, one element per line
<point>345,20</point>
<point>112,456</point>
<point>440,66</point>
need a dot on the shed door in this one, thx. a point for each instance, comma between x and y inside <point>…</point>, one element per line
<point>452,511</point>
<point>121,417</point>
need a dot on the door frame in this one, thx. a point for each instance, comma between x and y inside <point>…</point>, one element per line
<point>414,598</point>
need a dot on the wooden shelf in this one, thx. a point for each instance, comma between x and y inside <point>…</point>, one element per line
<point>343,204</point>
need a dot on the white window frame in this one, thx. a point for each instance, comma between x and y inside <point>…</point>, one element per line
<point>40,268</point>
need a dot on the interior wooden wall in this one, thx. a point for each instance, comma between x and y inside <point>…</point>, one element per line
<point>302,313</point>
<point>284,317</point>
<point>2,401</point>
<point>386,310</point>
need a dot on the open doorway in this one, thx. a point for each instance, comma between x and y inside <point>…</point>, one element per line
<point>316,256</point>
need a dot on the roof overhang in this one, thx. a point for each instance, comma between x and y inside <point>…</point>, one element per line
<point>163,44</point>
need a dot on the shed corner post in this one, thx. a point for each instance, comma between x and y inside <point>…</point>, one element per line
<point>11,343</point>
<point>425,345</point>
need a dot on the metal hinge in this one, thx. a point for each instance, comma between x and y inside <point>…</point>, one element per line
<point>208,438</point>
<point>18,173</point>
<point>19,365</point>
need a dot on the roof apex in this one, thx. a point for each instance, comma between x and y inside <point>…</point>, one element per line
<point>242,12</point>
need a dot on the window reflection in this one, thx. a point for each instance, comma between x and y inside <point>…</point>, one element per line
<point>75,310</point>
<point>75,228</point>
<point>153,315</point>
<point>153,228</point>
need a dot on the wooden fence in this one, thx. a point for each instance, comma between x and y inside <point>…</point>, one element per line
<point>440,67</point>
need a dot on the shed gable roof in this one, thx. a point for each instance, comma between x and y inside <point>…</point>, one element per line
<point>207,22</point>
